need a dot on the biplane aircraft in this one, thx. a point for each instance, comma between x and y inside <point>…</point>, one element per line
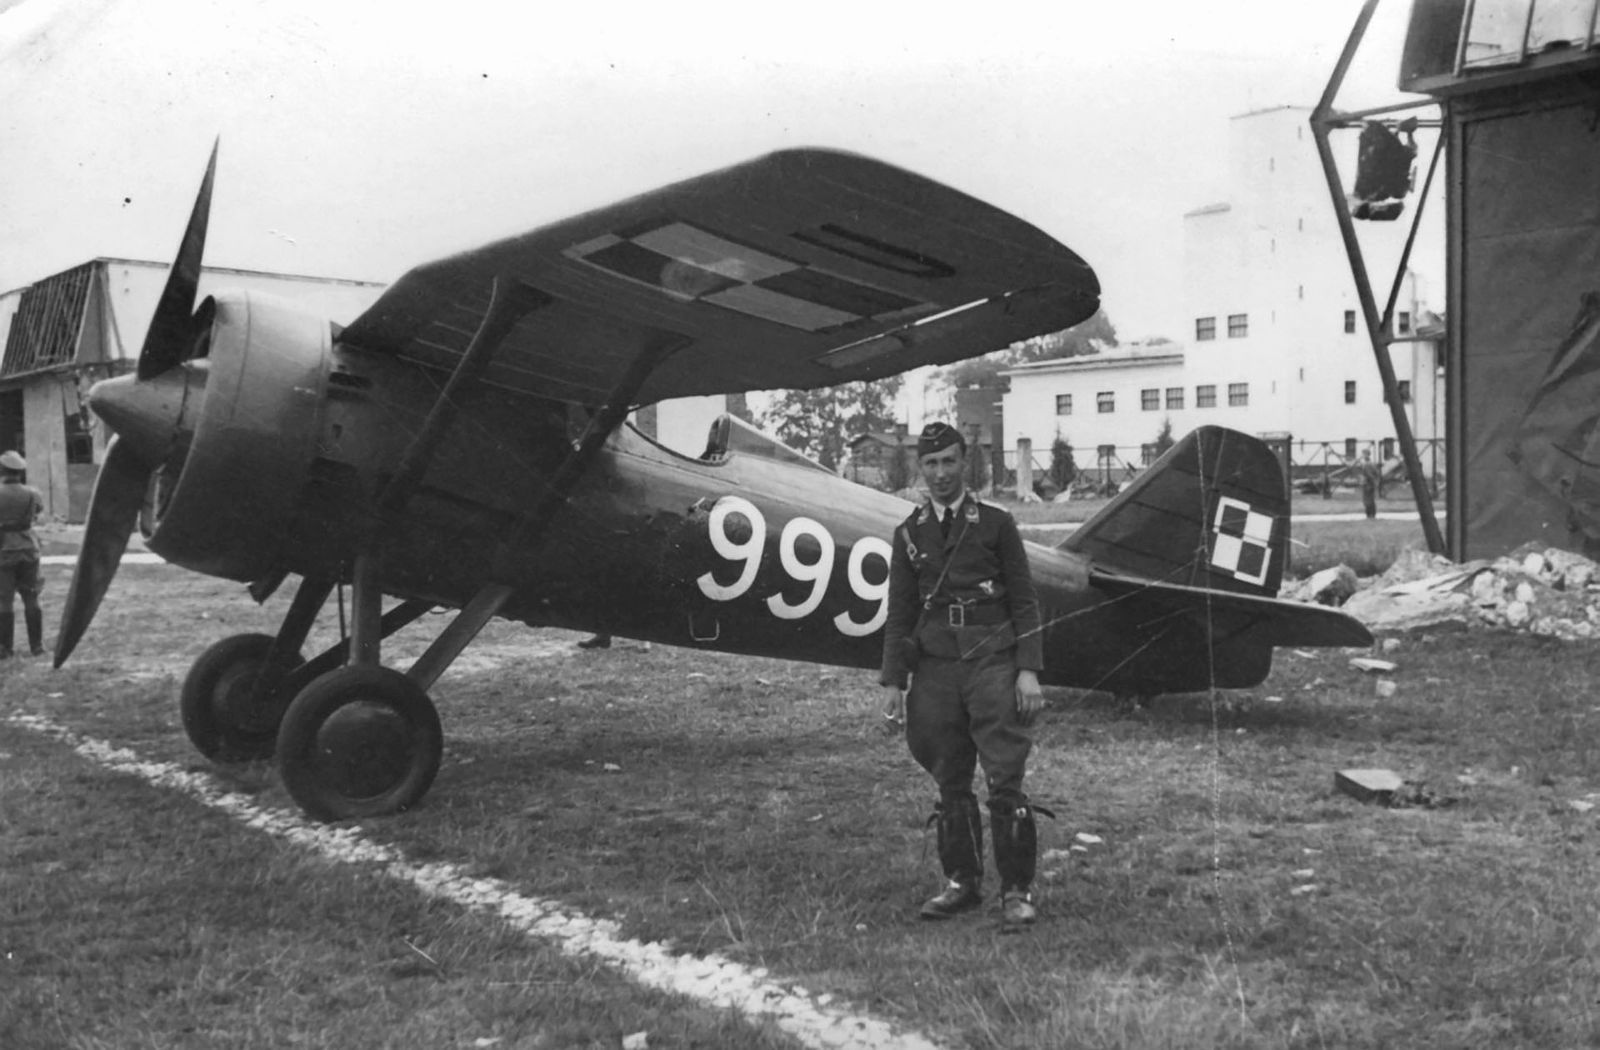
<point>464,445</point>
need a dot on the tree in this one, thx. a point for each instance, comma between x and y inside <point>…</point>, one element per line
<point>896,469</point>
<point>1063,468</point>
<point>1164,439</point>
<point>1089,337</point>
<point>821,422</point>
<point>977,468</point>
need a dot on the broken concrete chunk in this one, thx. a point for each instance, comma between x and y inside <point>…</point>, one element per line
<point>1368,785</point>
<point>1384,688</point>
<point>1374,665</point>
<point>1332,586</point>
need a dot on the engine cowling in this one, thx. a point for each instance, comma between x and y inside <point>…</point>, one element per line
<point>222,505</point>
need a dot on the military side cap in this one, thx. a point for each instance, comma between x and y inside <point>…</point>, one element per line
<point>937,436</point>
<point>12,461</point>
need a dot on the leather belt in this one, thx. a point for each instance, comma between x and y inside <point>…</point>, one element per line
<point>977,615</point>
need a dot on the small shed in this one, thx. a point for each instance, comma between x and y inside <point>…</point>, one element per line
<point>885,460</point>
<point>67,331</point>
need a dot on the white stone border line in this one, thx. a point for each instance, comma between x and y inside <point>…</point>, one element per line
<point>713,980</point>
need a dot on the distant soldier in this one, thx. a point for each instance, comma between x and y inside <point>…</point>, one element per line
<point>1371,483</point>
<point>20,507</point>
<point>963,621</point>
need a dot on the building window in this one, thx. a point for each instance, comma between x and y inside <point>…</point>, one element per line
<point>1349,321</point>
<point>1402,323</point>
<point>1349,391</point>
<point>1148,453</point>
<point>1238,326</point>
<point>1107,456</point>
<point>1150,399</point>
<point>1349,448</point>
<point>1205,396</point>
<point>1106,401</point>
<point>80,442</point>
<point>1063,404</point>
<point>1205,328</point>
<point>1386,449</point>
<point>1238,395</point>
<point>1174,397</point>
<point>1403,388</point>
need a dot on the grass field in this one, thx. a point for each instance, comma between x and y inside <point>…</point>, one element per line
<point>1227,896</point>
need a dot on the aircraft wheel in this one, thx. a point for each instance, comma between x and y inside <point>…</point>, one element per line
<point>224,718</point>
<point>362,741</point>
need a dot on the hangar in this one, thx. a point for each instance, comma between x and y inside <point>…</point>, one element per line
<point>69,330</point>
<point>1516,86</point>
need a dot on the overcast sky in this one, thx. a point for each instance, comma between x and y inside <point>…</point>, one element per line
<point>359,140</point>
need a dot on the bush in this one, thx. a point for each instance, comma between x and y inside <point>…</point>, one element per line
<point>1063,468</point>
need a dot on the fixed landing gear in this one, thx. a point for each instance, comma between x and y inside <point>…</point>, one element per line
<point>356,740</point>
<point>234,698</point>
<point>362,741</point>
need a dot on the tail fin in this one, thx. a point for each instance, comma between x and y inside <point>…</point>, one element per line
<point>1211,512</point>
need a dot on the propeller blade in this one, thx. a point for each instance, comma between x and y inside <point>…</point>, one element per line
<point>169,341</point>
<point>113,511</point>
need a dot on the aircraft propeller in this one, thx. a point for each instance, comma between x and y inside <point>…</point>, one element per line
<point>145,411</point>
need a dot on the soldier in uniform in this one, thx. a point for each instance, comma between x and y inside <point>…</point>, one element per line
<point>20,506</point>
<point>1371,476</point>
<point>963,624</point>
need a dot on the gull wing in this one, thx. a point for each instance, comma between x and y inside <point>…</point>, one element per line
<point>799,269</point>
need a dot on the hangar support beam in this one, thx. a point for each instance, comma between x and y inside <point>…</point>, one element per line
<point>1323,120</point>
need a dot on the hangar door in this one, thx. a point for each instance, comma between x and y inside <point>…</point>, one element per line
<point>1527,302</point>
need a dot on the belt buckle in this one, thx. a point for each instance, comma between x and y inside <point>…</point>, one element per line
<point>957,614</point>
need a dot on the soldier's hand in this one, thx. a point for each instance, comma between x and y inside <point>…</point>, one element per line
<point>893,709</point>
<point>1030,698</point>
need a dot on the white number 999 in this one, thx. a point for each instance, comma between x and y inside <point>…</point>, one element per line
<point>749,549</point>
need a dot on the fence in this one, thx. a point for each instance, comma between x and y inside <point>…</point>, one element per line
<point>1314,466</point>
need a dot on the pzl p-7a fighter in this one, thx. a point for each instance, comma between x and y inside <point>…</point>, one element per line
<point>463,444</point>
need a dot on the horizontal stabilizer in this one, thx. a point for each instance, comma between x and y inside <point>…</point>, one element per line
<point>1234,619</point>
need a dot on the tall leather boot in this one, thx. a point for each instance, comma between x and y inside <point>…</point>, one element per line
<point>34,618</point>
<point>1016,857</point>
<point>8,631</point>
<point>960,855</point>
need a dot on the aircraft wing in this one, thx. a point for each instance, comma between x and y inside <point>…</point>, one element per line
<point>1231,617</point>
<point>799,269</point>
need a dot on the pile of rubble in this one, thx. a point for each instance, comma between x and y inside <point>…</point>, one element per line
<point>1550,592</point>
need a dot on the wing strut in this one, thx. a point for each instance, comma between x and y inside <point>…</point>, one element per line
<point>531,527</point>
<point>509,301</point>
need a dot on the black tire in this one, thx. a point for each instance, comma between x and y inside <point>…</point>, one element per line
<point>221,713</point>
<point>362,741</point>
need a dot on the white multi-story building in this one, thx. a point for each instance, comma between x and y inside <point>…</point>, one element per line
<point>1276,344</point>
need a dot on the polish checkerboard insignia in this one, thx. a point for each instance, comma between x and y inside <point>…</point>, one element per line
<point>693,264</point>
<point>1241,542</point>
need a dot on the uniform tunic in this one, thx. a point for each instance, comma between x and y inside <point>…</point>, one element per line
<point>963,610</point>
<point>19,550</point>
